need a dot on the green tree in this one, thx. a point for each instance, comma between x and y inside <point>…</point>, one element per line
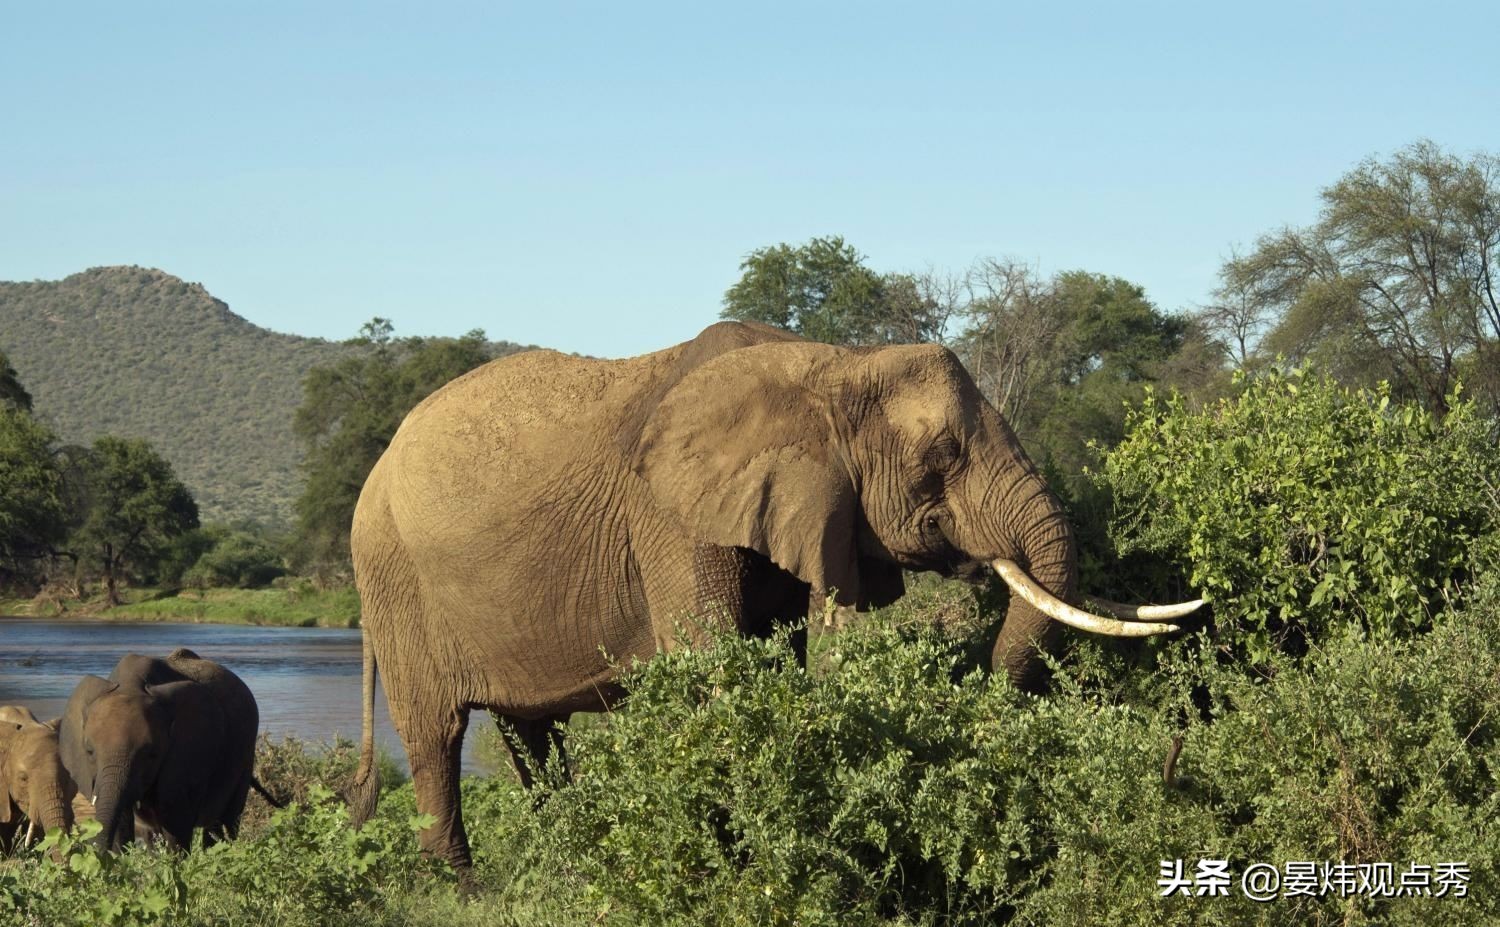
<point>1115,341</point>
<point>12,394</point>
<point>33,509</point>
<point>349,412</point>
<point>912,309</point>
<point>1398,280</point>
<point>135,508</point>
<point>1061,356</point>
<point>821,290</point>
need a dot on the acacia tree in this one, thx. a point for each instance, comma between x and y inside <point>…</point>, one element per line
<point>823,290</point>
<point>1398,280</point>
<point>135,508</point>
<point>1011,326</point>
<point>1237,319</point>
<point>1060,356</point>
<point>349,413</point>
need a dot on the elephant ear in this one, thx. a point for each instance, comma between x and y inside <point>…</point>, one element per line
<point>70,740</point>
<point>743,452</point>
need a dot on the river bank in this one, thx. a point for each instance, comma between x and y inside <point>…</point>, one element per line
<point>291,606</point>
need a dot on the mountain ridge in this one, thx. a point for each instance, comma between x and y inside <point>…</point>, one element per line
<point>137,352</point>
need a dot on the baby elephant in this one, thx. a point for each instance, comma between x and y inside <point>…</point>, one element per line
<point>172,741</point>
<point>34,786</point>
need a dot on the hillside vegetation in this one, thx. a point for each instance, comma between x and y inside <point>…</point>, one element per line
<point>136,352</point>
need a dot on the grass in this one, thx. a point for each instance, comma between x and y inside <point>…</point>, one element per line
<point>298,605</point>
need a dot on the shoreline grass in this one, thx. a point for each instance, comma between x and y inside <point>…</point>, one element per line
<point>291,606</point>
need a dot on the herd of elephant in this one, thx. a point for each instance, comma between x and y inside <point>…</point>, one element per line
<point>545,520</point>
<point>160,748</point>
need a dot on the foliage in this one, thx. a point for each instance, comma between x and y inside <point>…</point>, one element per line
<point>1298,504</point>
<point>891,785</point>
<point>1396,280</point>
<point>293,770</point>
<point>136,508</point>
<point>235,558</point>
<point>139,353</point>
<point>350,412</point>
<point>33,510</point>
<point>1061,356</point>
<point>822,290</point>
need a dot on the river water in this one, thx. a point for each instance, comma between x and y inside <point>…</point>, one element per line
<point>306,680</point>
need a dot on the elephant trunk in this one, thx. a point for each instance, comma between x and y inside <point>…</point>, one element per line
<point>1033,550</point>
<point>1043,544</point>
<point>51,810</point>
<point>113,808</point>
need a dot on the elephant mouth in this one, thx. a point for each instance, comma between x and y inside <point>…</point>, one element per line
<point>969,571</point>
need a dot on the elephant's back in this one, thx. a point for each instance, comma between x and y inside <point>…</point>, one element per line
<point>486,452</point>
<point>516,388</point>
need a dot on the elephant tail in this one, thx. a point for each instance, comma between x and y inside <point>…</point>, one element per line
<point>364,792</point>
<point>270,800</point>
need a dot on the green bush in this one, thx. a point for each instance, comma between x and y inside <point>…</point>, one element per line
<point>736,789</point>
<point>888,786</point>
<point>1299,504</point>
<point>292,769</point>
<point>237,560</point>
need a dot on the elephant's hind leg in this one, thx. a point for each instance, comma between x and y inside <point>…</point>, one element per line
<point>531,741</point>
<point>226,822</point>
<point>434,744</point>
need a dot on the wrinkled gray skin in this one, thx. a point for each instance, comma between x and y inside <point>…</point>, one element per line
<point>171,741</point>
<point>36,792</point>
<point>543,520</point>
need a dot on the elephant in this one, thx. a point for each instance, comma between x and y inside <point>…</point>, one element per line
<point>168,744</point>
<point>545,519</point>
<point>35,789</point>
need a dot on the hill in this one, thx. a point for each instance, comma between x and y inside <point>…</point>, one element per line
<point>137,352</point>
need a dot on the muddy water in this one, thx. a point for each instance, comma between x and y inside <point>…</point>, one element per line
<point>306,680</point>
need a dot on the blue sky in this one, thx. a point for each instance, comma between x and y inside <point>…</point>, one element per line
<point>588,176</point>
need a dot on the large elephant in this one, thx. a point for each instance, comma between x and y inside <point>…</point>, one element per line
<point>169,741</point>
<point>545,519</point>
<point>35,789</point>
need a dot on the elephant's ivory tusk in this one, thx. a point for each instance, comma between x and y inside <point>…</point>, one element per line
<point>31,832</point>
<point>1143,612</point>
<point>1049,604</point>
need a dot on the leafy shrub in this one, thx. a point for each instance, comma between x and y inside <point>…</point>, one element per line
<point>235,559</point>
<point>888,787</point>
<point>292,769</point>
<point>1299,504</point>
